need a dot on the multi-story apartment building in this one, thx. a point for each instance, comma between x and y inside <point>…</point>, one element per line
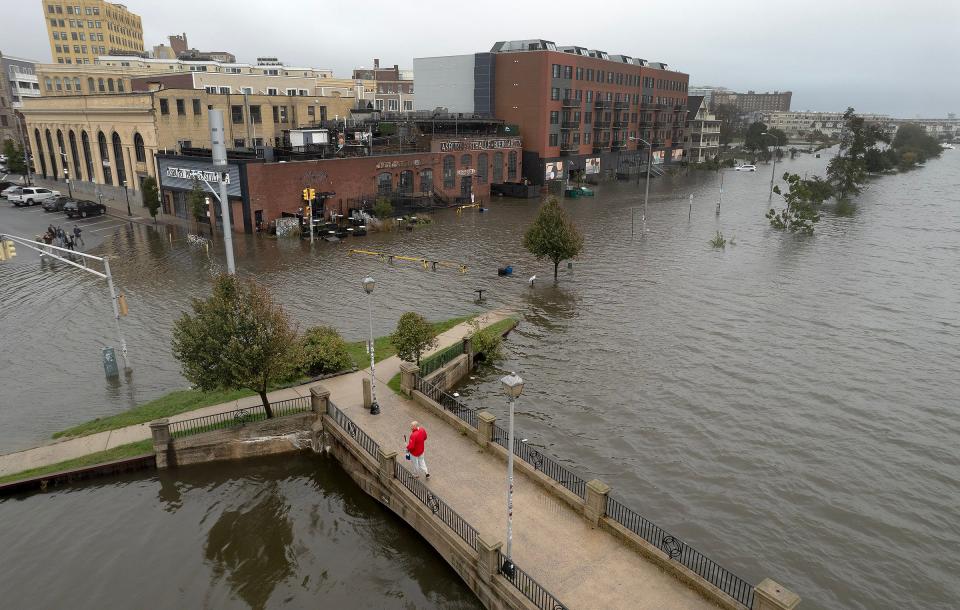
<point>579,111</point>
<point>21,77</point>
<point>707,92</point>
<point>702,140</point>
<point>754,102</point>
<point>83,30</point>
<point>393,87</point>
<point>802,124</point>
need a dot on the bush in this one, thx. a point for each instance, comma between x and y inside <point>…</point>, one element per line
<point>383,209</point>
<point>324,351</point>
<point>486,342</point>
<point>413,337</point>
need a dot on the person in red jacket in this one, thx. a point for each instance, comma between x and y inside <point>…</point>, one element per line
<point>418,436</point>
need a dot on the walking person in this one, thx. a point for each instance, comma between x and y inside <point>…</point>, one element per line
<point>418,436</point>
<point>76,235</point>
<point>69,242</point>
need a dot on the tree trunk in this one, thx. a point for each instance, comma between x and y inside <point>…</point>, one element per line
<point>556,266</point>
<point>266,404</point>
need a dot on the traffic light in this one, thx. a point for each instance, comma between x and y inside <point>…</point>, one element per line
<point>307,212</point>
<point>7,250</point>
<point>306,194</point>
<point>122,304</point>
<point>313,194</point>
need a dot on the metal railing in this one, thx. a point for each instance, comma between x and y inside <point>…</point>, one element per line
<point>466,414</point>
<point>441,358</point>
<point>237,417</point>
<point>542,462</point>
<point>731,584</point>
<point>437,506</point>
<point>355,432</point>
<point>530,588</point>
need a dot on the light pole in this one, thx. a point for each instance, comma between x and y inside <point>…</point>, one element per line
<point>368,286</point>
<point>126,193</point>
<point>646,192</point>
<point>513,387</point>
<point>66,176</point>
<point>218,152</point>
<point>773,170</point>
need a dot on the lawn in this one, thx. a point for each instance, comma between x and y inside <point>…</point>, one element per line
<point>382,348</point>
<point>117,453</point>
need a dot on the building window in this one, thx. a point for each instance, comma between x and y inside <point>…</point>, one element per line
<point>483,166</point>
<point>498,167</point>
<point>100,85</point>
<point>118,159</point>
<point>49,83</point>
<point>75,155</point>
<point>579,73</point>
<point>181,107</point>
<point>554,117</point>
<point>384,183</point>
<point>239,143</point>
<point>57,84</point>
<point>588,117</point>
<point>568,72</point>
<point>426,181</point>
<point>104,158</point>
<point>224,90</point>
<point>138,148</point>
<point>76,83</point>
<point>405,185</point>
<point>255,115</point>
<point>164,104</point>
<point>465,161</point>
<point>553,139</point>
<point>279,114</point>
<point>449,175</point>
<point>393,105</point>
<point>236,114</point>
<point>196,107</point>
<point>555,93</point>
<point>271,91</point>
<point>87,157</point>
<point>556,70</point>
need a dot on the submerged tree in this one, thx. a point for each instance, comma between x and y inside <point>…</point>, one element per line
<point>151,197</point>
<point>553,235</point>
<point>803,200</point>
<point>237,338</point>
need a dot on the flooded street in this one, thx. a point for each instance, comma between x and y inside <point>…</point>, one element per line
<point>788,404</point>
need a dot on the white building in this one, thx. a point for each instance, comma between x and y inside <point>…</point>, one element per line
<point>802,124</point>
<point>703,128</point>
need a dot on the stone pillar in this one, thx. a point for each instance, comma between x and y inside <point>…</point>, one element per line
<point>408,373</point>
<point>485,423</point>
<point>769,595</point>
<point>367,393</point>
<point>160,431</point>
<point>488,564</point>
<point>595,504</point>
<point>388,461</point>
<point>319,397</point>
<point>468,350</point>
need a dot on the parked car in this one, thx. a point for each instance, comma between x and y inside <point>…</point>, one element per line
<point>746,168</point>
<point>9,190</point>
<point>5,184</point>
<point>30,195</point>
<point>83,208</point>
<point>55,204</point>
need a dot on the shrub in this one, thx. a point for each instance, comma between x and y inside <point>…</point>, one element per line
<point>324,351</point>
<point>486,342</point>
<point>413,337</point>
<point>383,209</point>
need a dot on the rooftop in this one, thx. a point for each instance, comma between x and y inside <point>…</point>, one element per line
<point>514,46</point>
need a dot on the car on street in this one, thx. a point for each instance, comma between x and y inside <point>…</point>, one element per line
<point>746,168</point>
<point>31,195</point>
<point>9,190</point>
<point>82,208</point>
<point>55,204</point>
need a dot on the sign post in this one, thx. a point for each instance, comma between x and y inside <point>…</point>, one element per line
<point>219,152</point>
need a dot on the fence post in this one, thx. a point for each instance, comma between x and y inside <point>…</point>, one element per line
<point>595,504</point>
<point>485,423</point>
<point>488,564</point>
<point>160,432</point>
<point>769,595</point>
<point>319,396</point>
<point>468,350</point>
<point>367,393</point>
<point>408,375</point>
<point>388,461</point>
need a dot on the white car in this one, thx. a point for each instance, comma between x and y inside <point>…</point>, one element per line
<point>9,190</point>
<point>30,195</point>
<point>746,168</point>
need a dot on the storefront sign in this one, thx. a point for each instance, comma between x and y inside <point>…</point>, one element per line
<point>480,144</point>
<point>553,170</point>
<point>393,164</point>
<point>592,165</point>
<point>180,173</point>
<point>470,171</point>
<point>203,176</point>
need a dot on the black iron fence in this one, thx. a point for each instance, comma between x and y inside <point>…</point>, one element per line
<point>540,461</point>
<point>437,506</point>
<point>450,404</point>
<point>355,432</point>
<point>679,551</point>
<point>237,417</point>
<point>435,361</point>
<point>530,588</point>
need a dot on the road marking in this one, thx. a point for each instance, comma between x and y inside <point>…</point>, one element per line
<point>99,222</point>
<point>105,228</point>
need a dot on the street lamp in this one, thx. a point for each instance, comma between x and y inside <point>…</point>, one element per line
<point>773,170</point>
<point>646,193</point>
<point>368,286</point>
<point>512,385</point>
<point>126,192</point>
<point>66,175</point>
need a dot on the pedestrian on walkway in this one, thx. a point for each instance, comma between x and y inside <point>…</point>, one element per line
<point>418,436</point>
<point>76,234</point>
<point>69,242</point>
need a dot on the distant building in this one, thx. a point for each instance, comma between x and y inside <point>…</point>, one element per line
<point>83,30</point>
<point>706,92</point>
<point>393,87</point>
<point>179,49</point>
<point>802,124</point>
<point>703,131</point>
<point>754,102</point>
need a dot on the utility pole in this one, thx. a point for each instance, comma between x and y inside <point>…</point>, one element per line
<point>23,147</point>
<point>218,149</point>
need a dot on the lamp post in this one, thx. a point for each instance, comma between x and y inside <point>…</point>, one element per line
<point>368,286</point>
<point>773,170</point>
<point>66,176</point>
<point>646,192</point>
<point>513,387</point>
<point>126,193</point>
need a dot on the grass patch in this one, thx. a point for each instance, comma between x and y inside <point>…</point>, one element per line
<point>384,349</point>
<point>394,383</point>
<point>117,453</point>
<point>503,325</point>
<point>168,405</point>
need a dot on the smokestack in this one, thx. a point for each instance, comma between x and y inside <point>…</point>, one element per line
<point>376,63</point>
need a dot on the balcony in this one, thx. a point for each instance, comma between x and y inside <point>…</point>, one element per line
<point>618,144</point>
<point>603,104</point>
<point>601,124</point>
<point>569,148</point>
<point>570,125</point>
<point>621,105</point>
<point>569,102</point>
<point>600,147</point>
<point>620,124</point>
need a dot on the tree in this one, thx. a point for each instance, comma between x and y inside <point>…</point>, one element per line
<point>754,140</point>
<point>803,203</point>
<point>151,197</point>
<point>324,351</point>
<point>779,135</point>
<point>197,198</point>
<point>237,338</point>
<point>413,336</point>
<point>15,158</point>
<point>486,343</point>
<point>382,208</point>
<point>911,138</point>
<point>553,235</point>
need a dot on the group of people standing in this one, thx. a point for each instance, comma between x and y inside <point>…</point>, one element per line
<point>64,239</point>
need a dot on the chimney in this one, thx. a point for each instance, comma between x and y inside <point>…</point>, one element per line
<point>376,63</point>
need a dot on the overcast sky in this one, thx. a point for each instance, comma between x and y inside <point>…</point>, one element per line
<point>895,57</point>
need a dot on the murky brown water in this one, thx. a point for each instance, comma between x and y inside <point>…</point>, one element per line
<point>787,405</point>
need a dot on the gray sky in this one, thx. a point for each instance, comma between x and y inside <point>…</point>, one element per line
<point>887,56</point>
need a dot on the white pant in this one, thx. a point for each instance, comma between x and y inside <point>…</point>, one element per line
<point>419,464</point>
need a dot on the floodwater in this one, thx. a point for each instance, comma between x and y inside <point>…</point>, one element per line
<point>786,404</point>
<point>285,531</point>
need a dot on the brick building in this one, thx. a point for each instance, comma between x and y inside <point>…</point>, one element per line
<point>579,111</point>
<point>754,102</point>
